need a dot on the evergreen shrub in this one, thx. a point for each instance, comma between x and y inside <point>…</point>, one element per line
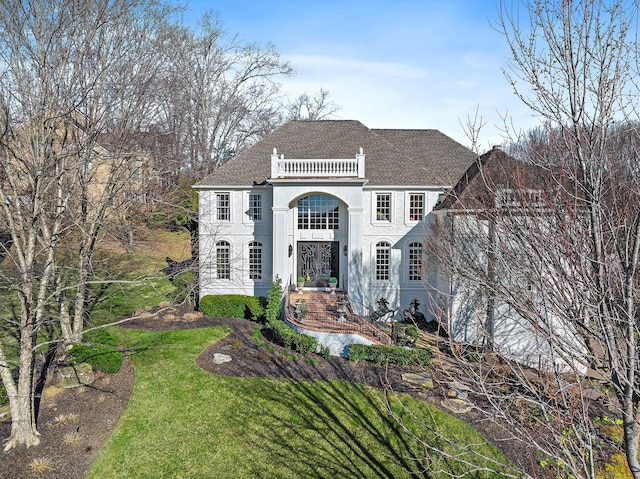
<point>232,306</point>
<point>99,350</point>
<point>381,354</point>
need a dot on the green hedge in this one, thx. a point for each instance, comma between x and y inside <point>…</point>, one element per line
<point>98,350</point>
<point>381,354</point>
<point>291,339</point>
<point>232,306</point>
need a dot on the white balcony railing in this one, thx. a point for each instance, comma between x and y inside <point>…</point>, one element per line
<point>317,168</point>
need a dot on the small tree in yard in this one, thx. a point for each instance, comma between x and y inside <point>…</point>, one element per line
<point>561,256</point>
<point>274,300</point>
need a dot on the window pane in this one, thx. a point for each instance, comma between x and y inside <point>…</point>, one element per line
<point>318,212</point>
<point>255,207</point>
<point>416,206</point>
<point>255,260</point>
<point>222,207</point>
<point>223,260</point>
<point>383,251</point>
<point>415,262</point>
<point>383,207</point>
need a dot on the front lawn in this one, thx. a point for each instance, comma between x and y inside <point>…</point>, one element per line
<point>182,422</point>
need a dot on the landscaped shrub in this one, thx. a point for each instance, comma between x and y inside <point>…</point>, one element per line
<point>282,333</point>
<point>304,344</point>
<point>98,350</point>
<point>411,331</point>
<point>100,358</point>
<point>100,336</point>
<point>381,354</point>
<point>274,300</point>
<point>358,352</point>
<point>291,339</point>
<point>231,306</point>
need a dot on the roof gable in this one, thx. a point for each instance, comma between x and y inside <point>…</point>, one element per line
<point>491,173</point>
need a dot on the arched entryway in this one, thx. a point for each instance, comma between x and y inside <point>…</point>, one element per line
<point>320,221</point>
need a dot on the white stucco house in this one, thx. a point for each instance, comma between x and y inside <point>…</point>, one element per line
<point>501,285</point>
<point>321,199</point>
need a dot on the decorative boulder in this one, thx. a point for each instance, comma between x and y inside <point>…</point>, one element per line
<point>421,380</point>
<point>77,375</point>
<point>221,358</point>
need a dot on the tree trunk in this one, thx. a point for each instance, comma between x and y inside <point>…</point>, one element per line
<point>631,438</point>
<point>23,420</point>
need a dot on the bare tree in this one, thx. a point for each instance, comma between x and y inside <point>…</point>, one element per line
<point>219,94</point>
<point>317,107</point>
<point>69,72</point>
<point>542,256</point>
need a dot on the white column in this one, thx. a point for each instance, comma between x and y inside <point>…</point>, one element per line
<point>280,244</point>
<point>354,256</point>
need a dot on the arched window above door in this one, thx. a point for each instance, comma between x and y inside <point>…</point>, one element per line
<point>318,212</point>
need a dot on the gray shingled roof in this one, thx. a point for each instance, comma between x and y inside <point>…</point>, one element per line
<point>392,157</point>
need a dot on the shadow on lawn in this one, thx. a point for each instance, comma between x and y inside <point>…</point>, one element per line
<point>333,446</point>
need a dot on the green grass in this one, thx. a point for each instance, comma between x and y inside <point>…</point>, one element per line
<point>118,299</point>
<point>182,422</point>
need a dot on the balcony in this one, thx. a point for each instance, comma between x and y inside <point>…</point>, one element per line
<point>317,168</point>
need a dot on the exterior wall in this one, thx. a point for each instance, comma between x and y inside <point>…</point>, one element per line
<point>239,231</point>
<point>513,336</point>
<point>399,232</point>
<point>358,235</point>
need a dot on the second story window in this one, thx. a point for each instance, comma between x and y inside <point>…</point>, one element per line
<point>416,206</point>
<point>223,208</point>
<point>383,207</point>
<point>255,207</point>
<point>318,212</point>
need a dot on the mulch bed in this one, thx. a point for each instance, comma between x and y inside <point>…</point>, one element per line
<point>98,407</point>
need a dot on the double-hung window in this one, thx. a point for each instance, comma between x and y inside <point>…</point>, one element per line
<point>416,206</point>
<point>383,207</point>
<point>255,207</point>
<point>223,207</point>
<point>255,260</point>
<point>415,261</point>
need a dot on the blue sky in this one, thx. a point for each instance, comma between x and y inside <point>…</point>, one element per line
<point>400,64</point>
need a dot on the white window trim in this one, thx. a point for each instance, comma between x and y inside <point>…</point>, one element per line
<point>407,207</point>
<point>214,207</point>
<point>246,219</point>
<point>374,261</point>
<point>247,261</point>
<point>406,268</point>
<point>374,208</point>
